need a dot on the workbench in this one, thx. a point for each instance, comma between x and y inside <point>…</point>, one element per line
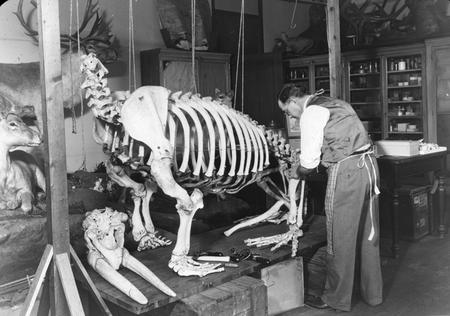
<point>396,171</point>
<point>157,260</point>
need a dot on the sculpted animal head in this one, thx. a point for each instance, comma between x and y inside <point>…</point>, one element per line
<point>14,132</point>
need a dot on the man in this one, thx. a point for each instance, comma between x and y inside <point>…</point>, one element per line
<point>332,134</point>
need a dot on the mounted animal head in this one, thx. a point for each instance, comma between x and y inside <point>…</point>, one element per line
<point>14,132</point>
<point>98,39</point>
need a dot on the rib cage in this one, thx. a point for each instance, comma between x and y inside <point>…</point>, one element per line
<point>215,148</point>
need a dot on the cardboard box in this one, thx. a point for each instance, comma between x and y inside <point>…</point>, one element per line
<point>397,147</point>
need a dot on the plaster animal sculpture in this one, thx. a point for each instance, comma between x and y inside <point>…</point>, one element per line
<point>21,83</point>
<point>19,173</point>
<point>104,235</point>
<point>220,151</point>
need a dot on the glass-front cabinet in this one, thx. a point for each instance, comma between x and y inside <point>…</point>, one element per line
<point>385,86</point>
<point>365,93</point>
<point>322,78</point>
<point>405,115</point>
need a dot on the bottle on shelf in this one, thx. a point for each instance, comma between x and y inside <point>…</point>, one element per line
<point>402,64</point>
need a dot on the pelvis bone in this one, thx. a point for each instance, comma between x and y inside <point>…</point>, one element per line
<point>104,235</point>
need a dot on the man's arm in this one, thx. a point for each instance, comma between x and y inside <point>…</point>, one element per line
<point>312,125</point>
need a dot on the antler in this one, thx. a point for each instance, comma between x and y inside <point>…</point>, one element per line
<point>98,39</point>
<point>32,33</point>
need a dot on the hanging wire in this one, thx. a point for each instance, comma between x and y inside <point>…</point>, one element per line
<point>131,50</point>
<point>194,81</point>
<point>72,105</point>
<point>83,142</point>
<point>239,50</point>
<point>243,53</point>
<point>293,25</point>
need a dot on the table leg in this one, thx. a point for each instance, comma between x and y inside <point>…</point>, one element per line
<point>442,224</point>
<point>395,223</point>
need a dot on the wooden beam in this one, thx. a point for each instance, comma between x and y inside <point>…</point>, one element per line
<point>334,48</point>
<point>41,272</point>
<point>68,282</point>
<point>54,140</point>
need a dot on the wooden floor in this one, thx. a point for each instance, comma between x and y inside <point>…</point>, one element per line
<point>157,260</point>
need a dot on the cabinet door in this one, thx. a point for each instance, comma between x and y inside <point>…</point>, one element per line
<point>322,78</point>
<point>405,110</point>
<point>263,80</point>
<point>213,74</point>
<point>177,75</point>
<point>365,94</point>
<point>438,87</point>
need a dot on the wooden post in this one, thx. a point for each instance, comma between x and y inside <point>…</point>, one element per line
<point>334,48</point>
<point>55,166</point>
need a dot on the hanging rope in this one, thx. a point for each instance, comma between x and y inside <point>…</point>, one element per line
<point>241,21</point>
<point>240,52</point>
<point>131,50</point>
<point>83,141</point>
<point>194,80</point>
<point>293,25</point>
<point>72,106</point>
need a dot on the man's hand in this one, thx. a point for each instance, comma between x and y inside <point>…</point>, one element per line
<point>303,173</point>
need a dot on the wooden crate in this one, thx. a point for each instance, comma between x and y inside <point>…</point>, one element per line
<point>242,296</point>
<point>285,285</point>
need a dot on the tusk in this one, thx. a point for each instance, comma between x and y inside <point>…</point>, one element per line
<point>119,281</point>
<point>136,266</point>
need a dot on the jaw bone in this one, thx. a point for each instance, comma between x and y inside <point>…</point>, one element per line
<point>104,235</point>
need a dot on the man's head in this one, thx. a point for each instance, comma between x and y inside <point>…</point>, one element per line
<point>292,100</point>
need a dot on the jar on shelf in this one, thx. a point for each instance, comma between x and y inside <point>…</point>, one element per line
<point>375,66</point>
<point>361,69</point>
<point>402,64</point>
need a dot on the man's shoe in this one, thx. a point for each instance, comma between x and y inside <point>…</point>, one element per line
<point>315,302</point>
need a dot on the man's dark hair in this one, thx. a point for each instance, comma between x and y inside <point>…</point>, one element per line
<point>290,90</point>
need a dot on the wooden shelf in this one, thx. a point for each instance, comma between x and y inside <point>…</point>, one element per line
<point>404,71</point>
<point>365,74</point>
<point>298,79</point>
<point>404,87</point>
<point>412,133</point>
<point>403,102</point>
<point>322,77</point>
<point>404,116</point>
<point>366,103</point>
<point>364,89</point>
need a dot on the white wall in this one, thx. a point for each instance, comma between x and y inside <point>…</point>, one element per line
<point>16,47</point>
<point>276,17</point>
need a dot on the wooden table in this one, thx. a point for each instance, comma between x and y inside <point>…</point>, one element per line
<point>157,260</point>
<point>393,172</point>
